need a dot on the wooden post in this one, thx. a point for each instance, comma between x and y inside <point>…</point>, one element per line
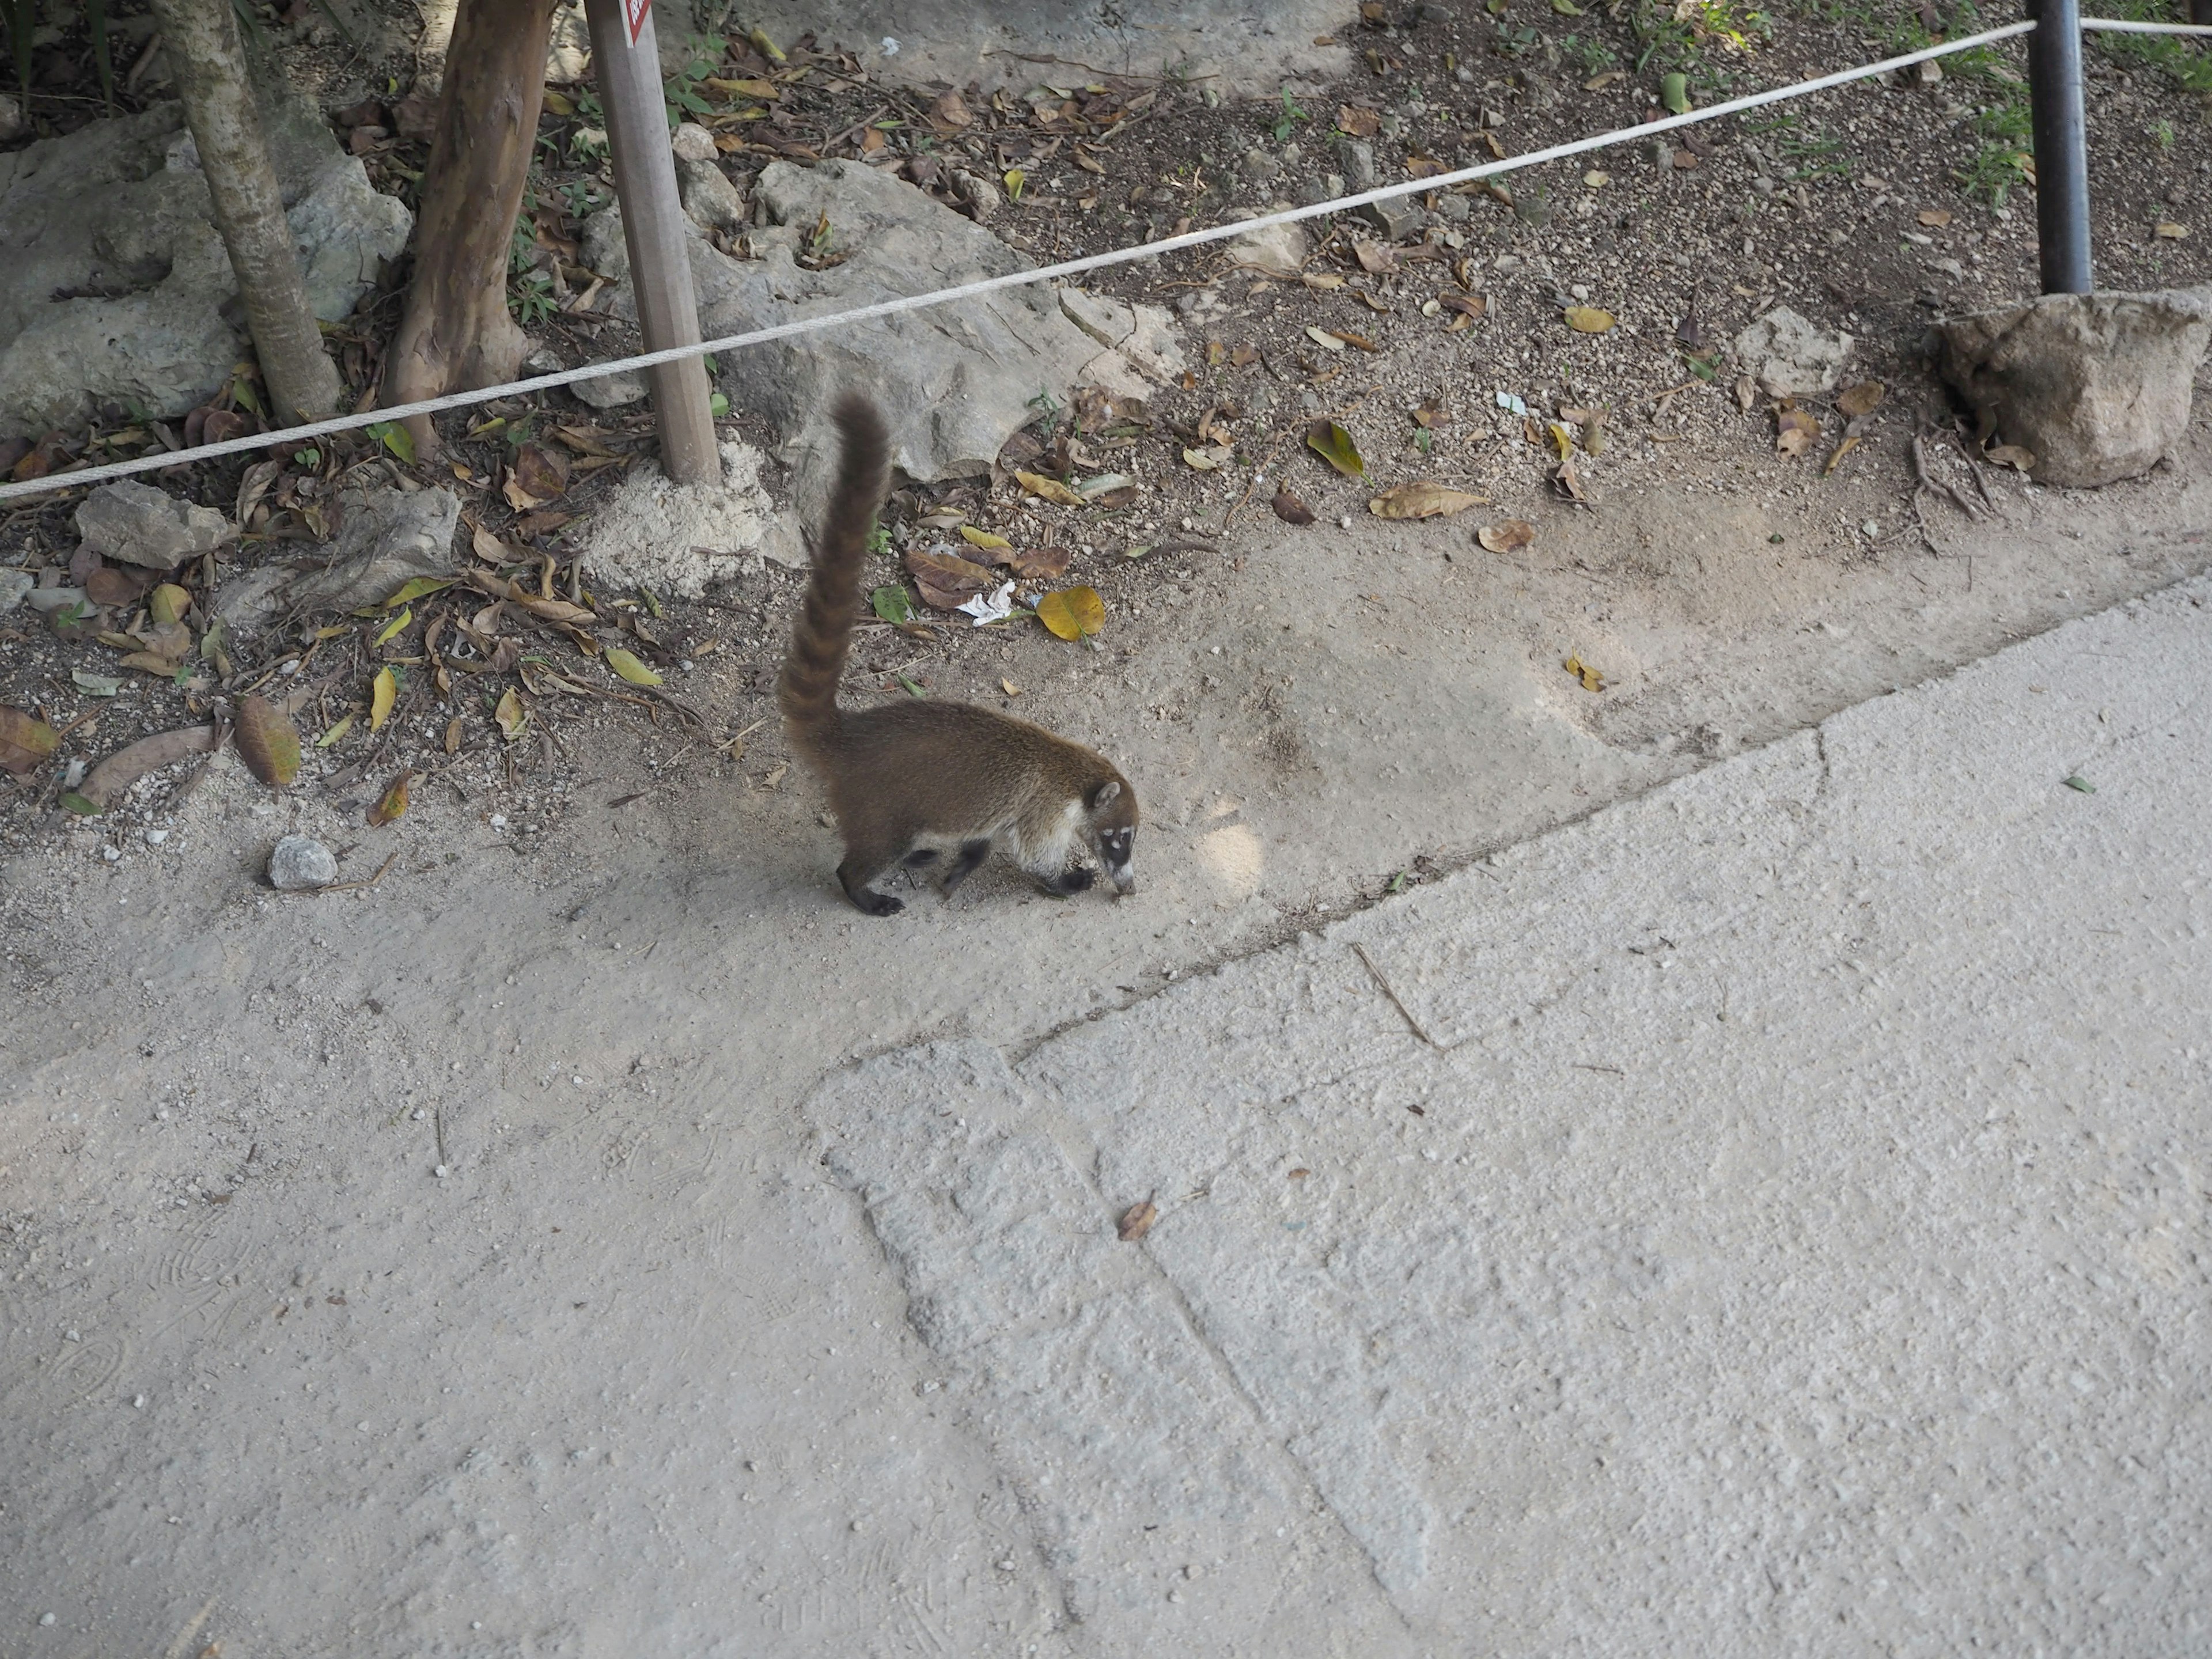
<point>626,63</point>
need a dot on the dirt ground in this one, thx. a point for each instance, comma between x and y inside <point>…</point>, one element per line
<point>439,1264</point>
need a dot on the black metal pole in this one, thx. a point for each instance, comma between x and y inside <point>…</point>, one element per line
<point>2062,154</point>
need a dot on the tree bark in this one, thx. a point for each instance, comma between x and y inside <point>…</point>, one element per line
<point>209,63</point>
<point>456,334</point>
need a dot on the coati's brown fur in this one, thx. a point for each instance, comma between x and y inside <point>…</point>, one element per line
<point>924,783</point>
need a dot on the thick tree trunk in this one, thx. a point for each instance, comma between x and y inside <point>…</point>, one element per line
<point>456,334</point>
<point>210,66</point>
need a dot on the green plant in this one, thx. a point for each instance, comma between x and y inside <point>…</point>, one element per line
<point>2184,60</point>
<point>880,537</point>
<point>530,297</point>
<point>1590,57</point>
<point>1291,117</point>
<point>701,53</point>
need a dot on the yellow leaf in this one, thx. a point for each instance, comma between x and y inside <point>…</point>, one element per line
<point>1324,280</point>
<point>344,725</point>
<point>1591,680</point>
<point>1072,613</point>
<point>1333,445</point>
<point>267,741</point>
<point>1588,319</point>
<point>559,103</point>
<point>1050,489</point>
<point>1015,179</point>
<point>168,602</point>
<point>1010,688</point>
<point>396,625</point>
<point>626,663</point>
<point>984,539</point>
<point>1837,459</point>
<point>1324,339</point>
<point>512,716</point>
<point>1862,399</point>
<point>1422,499</point>
<point>2172,231</point>
<point>382,690</point>
<point>393,804</point>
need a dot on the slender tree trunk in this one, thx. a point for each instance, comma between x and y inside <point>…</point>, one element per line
<point>456,334</point>
<point>210,66</point>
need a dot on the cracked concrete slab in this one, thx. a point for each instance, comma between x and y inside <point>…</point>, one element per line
<point>1765,1216</point>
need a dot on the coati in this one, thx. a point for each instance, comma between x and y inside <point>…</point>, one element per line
<point>928,784</point>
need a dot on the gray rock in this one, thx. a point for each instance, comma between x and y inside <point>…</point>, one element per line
<point>1260,168</point>
<point>954,382</point>
<point>46,600</point>
<point>137,524</point>
<point>611,390</point>
<point>387,537</point>
<point>1399,219</point>
<point>1278,251</point>
<point>711,199</point>
<point>1453,209</point>
<point>1358,158</point>
<point>1246,49</point>
<point>1790,356</point>
<point>117,214</point>
<point>2096,386</point>
<point>692,142</point>
<point>299,864</point>
<point>14,584</point>
<point>13,122</point>
<point>978,191</point>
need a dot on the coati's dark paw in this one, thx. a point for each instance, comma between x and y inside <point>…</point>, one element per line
<point>1079,880</point>
<point>878,904</point>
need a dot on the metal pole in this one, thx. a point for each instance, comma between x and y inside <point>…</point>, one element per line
<point>626,63</point>
<point>2062,154</point>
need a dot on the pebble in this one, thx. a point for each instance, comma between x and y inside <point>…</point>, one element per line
<point>439,1172</point>
<point>44,1619</point>
<point>113,854</point>
<point>155,837</point>
<point>301,863</point>
<point>137,1403</point>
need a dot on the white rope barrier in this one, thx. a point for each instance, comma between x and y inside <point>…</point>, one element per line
<point>308,433</point>
<point>2126,26</point>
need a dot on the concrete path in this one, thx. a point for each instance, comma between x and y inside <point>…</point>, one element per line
<point>1770,1216</point>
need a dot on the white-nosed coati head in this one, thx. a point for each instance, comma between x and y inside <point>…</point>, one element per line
<point>928,784</point>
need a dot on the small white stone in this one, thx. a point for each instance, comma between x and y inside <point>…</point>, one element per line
<point>300,864</point>
<point>137,1403</point>
<point>499,820</point>
<point>45,1619</point>
<point>418,1115</point>
<point>155,837</point>
<point>113,854</point>
<point>439,1172</point>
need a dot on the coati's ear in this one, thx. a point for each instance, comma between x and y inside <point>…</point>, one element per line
<point>1105,793</point>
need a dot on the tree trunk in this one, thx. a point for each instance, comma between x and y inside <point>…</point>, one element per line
<point>456,334</point>
<point>210,67</point>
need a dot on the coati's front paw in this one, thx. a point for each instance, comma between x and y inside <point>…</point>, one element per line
<point>877,904</point>
<point>1080,879</point>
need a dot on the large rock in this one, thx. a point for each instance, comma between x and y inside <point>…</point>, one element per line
<point>1277,250</point>
<point>386,538</point>
<point>954,382</point>
<point>1235,45</point>
<point>2096,386</point>
<point>1790,357</point>
<point>114,285</point>
<point>138,525</point>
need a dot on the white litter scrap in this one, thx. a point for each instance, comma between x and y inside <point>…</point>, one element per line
<point>989,607</point>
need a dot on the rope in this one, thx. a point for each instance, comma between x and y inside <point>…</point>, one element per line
<point>2125,25</point>
<point>313,430</point>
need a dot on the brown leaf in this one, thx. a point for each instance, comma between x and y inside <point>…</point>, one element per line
<point>1244,356</point>
<point>2011,455</point>
<point>1934,218</point>
<point>1506,535</point>
<point>1862,399</point>
<point>1377,258</point>
<point>554,611</point>
<point>536,474</point>
<point>1045,564</point>
<point>1137,1221</point>
<point>1423,499</point>
<point>268,742</point>
<point>26,743</point>
<point>393,803</point>
<point>1357,120</point>
<point>1591,678</point>
<point>1432,415</point>
<point>1747,392</point>
<point>1050,489</point>
<point>1289,508</point>
<point>126,765</point>
<point>109,586</point>
<point>947,582</point>
<point>1842,449</point>
<point>950,111</point>
<point>1794,431</point>
<point>1470,305</point>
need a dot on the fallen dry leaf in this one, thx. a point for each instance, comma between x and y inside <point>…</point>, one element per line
<point>1137,1221</point>
<point>268,742</point>
<point>1423,499</point>
<point>1210,459</point>
<point>626,663</point>
<point>168,604</point>
<point>1289,508</point>
<point>1072,613</point>
<point>27,742</point>
<point>125,766</point>
<point>1747,392</point>
<point>393,804</point>
<point>1357,121</point>
<point>511,715</point>
<point>110,586</point>
<point>1432,415</point>
<point>1588,319</point>
<point>1043,564</point>
<point>383,691</point>
<point>1591,680</point>
<point>1324,338</point>
<point>984,539</point>
<point>1506,535</point>
<point>1934,218</point>
<point>1050,489</point>
<point>1376,258</point>
<point>947,582</point>
<point>2011,455</point>
<point>1862,399</point>
<point>1333,445</point>
<point>2172,231</point>
<point>536,474</point>
<point>1842,449</point>
<point>1794,432</point>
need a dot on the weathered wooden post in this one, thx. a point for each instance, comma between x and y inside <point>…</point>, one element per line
<point>626,61</point>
